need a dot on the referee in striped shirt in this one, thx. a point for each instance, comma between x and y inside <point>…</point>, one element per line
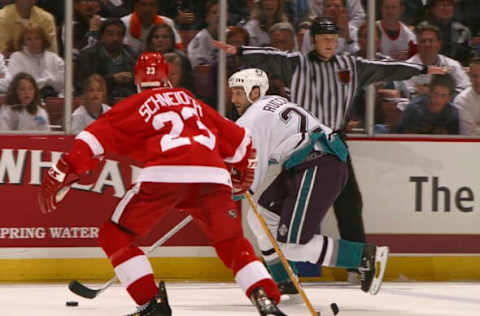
<point>325,84</point>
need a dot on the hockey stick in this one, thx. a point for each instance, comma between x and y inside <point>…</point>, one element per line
<point>333,308</point>
<point>86,292</point>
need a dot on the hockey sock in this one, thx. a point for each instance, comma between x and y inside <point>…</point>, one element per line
<point>349,254</point>
<point>278,271</point>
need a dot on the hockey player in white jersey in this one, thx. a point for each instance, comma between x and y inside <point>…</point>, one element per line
<point>314,172</point>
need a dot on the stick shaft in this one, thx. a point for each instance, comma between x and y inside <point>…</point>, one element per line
<point>284,261</point>
<point>159,242</point>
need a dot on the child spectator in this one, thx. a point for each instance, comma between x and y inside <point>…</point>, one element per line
<point>434,113</point>
<point>47,68</point>
<point>95,97</point>
<point>23,109</point>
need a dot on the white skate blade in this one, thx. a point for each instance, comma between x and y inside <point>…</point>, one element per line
<point>291,299</point>
<point>381,258</point>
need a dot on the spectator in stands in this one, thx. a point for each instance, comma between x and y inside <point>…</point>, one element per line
<point>115,8</point>
<point>396,39</point>
<point>4,81</point>
<point>95,98</point>
<point>468,102</point>
<point>429,47</point>
<point>239,11</point>
<point>23,109</point>
<point>265,14</point>
<point>455,37</point>
<point>110,58</point>
<point>162,39</point>
<point>468,13</point>
<point>236,36</point>
<point>355,11</point>
<point>434,113</point>
<point>283,37</point>
<point>200,49</point>
<point>176,74</point>
<point>347,36</point>
<point>14,17</point>
<point>143,18</point>
<point>299,11</point>
<point>414,12</point>
<point>86,23</point>
<point>187,14</point>
<point>46,67</point>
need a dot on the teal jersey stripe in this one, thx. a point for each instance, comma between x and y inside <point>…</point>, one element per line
<point>302,203</point>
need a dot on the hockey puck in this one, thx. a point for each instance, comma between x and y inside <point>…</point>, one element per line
<point>71,303</point>
<point>334,308</point>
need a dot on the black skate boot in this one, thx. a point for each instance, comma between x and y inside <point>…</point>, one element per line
<point>372,268</point>
<point>158,306</point>
<point>264,305</point>
<point>287,287</point>
<point>367,267</point>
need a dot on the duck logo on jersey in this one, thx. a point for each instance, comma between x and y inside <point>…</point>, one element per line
<point>282,230</point>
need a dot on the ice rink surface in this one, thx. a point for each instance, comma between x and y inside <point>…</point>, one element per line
<point>226,299</point>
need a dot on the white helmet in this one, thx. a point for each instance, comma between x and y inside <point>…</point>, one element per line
<point>249,79</point>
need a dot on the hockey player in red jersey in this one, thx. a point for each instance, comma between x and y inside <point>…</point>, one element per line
<point>185,147</point>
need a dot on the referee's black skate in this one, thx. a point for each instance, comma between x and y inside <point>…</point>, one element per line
<point>157,306</point>
<point>372,268</point>
<point>264,304</point>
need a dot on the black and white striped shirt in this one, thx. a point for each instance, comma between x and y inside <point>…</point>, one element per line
<point>325,88</point>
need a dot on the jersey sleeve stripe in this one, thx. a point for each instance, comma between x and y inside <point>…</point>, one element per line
<point>92,142</point>
<point>241,150</point>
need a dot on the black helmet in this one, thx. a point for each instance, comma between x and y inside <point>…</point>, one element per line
<point>323,25</point>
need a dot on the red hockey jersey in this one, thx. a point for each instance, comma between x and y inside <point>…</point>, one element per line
<point>176,137</point>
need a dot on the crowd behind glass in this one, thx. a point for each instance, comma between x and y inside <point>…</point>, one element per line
<point>108,35</point>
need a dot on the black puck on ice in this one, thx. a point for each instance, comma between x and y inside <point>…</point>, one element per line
<point>71,303</point>
<point>334,308</point>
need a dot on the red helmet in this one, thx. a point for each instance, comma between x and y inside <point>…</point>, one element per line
<point>151,71</point>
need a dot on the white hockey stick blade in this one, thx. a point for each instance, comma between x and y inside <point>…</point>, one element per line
<point>381,258</point>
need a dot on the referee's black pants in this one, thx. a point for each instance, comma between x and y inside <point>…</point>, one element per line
<point>348,209</point>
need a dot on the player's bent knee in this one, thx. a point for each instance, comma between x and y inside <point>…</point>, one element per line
<point>235,253</point>
<point>112,238</point>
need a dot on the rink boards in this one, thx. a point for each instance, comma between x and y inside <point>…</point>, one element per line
<point>420,198</point>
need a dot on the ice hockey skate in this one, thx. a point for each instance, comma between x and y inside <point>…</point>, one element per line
<point>158,306</point>
<point>372,268</point>
<point>265,305</point>
<point>289,293</point>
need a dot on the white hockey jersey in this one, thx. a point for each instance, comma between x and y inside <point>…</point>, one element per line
<point>278,128</point>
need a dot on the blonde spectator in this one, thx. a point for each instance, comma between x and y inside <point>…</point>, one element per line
<point>14,16</point>
<point>46,67</point>
<point>265,14</point>
<point>95,97</point>
<point>23,109</point>
<point>468,102</point>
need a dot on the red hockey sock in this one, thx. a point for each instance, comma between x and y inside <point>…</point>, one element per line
<point>143,289</point>
<point>269,286</point>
